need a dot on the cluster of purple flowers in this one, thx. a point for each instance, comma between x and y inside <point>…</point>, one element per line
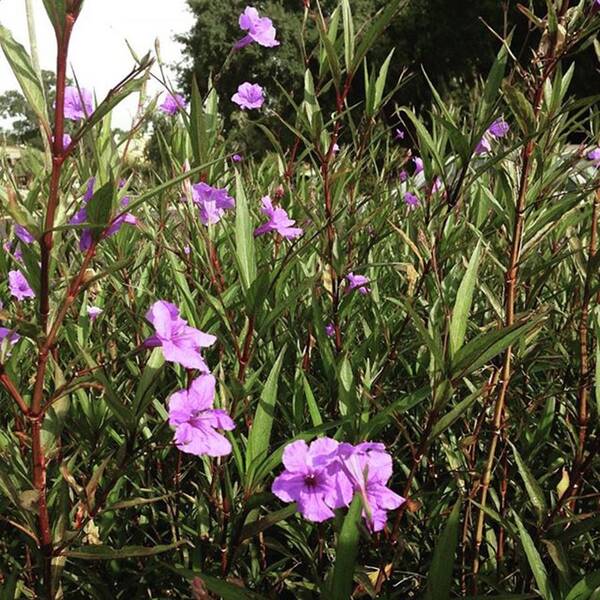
<point>258,29</point>
<point>191,411</point>
<point>249,96</point>
<point>326,475</point>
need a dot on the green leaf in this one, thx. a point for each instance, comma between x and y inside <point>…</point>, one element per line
<point>143,394</point>
<point>349,38</point>
<point>102,552</point>
<point>197,126</point>
<point>259,437</point>
<point>57,12</point>
<point>493,83</point>
<point>534,491</point>
<point>20,63</point>
<point>99,208</point>
<point>584,588</point>
<point>521,109</point>
<point>328,44</point>
<point>381,21</point>
<point>226,591</point>
<point>244,239</point>
<point>463,302</point>
<point>255,527</point>
<point>453,415</point>
<point>439,582</point>
<point>535,561</point>
<point>346,553</point>
<point>380,84</point>
<point>488,345</point>
<point>347,390</point>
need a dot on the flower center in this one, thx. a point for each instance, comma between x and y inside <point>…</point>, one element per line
<point>310,480</point>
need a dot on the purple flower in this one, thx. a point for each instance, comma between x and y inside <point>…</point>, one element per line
<point>78,103</point>
<point>260,29</point>
<point>335,149</point>
<point>249,96</point>
<point>357,282</point>
<point>94,312</point>
<point>66,140</point>
<point>89,190</point>
<point>23,234</point>
<point>19,288</point>
<point>237,158</point>
<point>368,468</point>
<point>181,344</point>
<point>212,202</point>
<point>187,250</point>
<point>279,221</point>
<point>330,329</point>
<point>117,223</point>
<point>483,146</point>
<point>313,479</point>
<point>195,420</point>
<point>403,176</point>
<point>499,128</point>
<point>11,336</point>
<point>173,103</point>
<point>411,200</point>
<point>399,134</point>
<point>418,162</point>
<point>81,217</point>
<point>594,155</point>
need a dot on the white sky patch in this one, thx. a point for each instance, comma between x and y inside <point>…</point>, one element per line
<point>98,53</point>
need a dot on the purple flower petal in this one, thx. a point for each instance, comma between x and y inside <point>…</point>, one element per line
<point>279,221</point>
<point>18,286</point>
<point>181,344</point>
<point>249,96</point>
<point>78,103</point>
<point>173,103</point>
<point>196,422</point>
<point>260,29</point>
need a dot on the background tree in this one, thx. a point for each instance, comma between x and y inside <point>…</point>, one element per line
<point>451,41</point>
<point>23,126</point>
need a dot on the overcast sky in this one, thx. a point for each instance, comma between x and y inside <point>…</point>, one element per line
<point>98,55</point>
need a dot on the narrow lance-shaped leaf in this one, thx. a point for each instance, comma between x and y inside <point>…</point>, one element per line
<point>534,491</point>
<point>463,302</point>
<point>244,240</point>
<point>20,63</point>
<point>348,24</point>
<point>488,345</point>
<point>585,587</point>
<point>439,582</point>
<point>535,561</point>
<point>346,553</point>
<point>260,432</point>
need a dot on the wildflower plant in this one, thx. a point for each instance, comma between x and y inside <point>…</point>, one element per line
<point>363,365</point>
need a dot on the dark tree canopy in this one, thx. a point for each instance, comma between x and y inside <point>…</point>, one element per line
<point>449,39</point>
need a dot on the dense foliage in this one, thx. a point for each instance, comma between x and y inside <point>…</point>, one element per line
<point>451,41</point>
<point>430,285</point>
